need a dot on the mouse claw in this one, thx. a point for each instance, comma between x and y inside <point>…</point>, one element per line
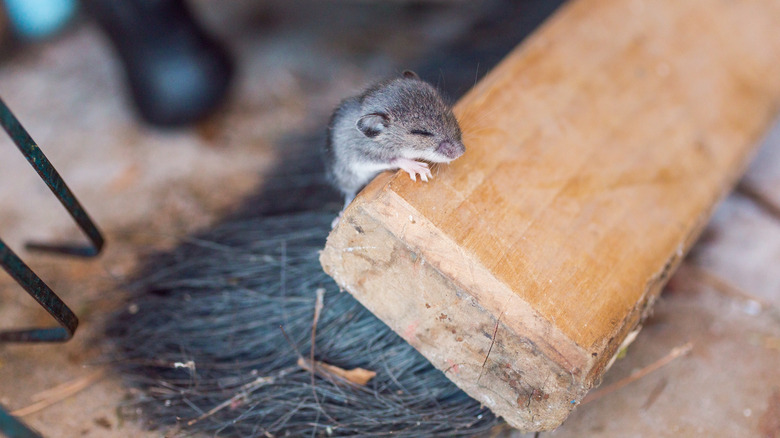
<point>425,172</point>
<point>414,168</point>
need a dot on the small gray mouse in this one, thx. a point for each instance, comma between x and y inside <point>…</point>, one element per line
<point>391,125</point>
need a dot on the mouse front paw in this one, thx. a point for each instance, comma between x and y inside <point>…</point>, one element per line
<point>414,168</point>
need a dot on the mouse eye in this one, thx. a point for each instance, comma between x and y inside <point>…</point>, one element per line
<point>420,132</point>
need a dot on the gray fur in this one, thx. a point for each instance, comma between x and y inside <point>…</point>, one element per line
<point>389,121</point>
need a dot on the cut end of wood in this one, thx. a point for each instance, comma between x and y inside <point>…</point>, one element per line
<point>486,354</point>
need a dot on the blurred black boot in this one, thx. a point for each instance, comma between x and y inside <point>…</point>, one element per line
<point>177,73</point>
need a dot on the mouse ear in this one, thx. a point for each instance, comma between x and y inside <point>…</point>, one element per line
<point>408,74</point>
<point>373,124</point>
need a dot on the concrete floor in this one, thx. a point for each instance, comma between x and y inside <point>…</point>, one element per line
<point>147,187</point>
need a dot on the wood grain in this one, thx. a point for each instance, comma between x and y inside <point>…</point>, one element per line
<point>596,152</point>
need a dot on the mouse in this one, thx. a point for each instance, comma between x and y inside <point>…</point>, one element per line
<point>400,123</point>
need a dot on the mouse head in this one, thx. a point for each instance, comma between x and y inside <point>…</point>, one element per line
<point>408,118</point>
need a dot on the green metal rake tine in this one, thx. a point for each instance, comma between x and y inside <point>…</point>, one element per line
<point>20,272</point>
<point>52,178</point>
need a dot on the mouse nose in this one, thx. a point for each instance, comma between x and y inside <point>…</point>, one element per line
<point>451,150</point>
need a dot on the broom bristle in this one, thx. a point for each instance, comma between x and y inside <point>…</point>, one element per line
<point>214,336</point>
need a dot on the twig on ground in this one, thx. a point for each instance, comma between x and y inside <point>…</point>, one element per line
<point>660,363</point>
<point>60,392</point>
<point>719,284</point>
<point>757,197</point>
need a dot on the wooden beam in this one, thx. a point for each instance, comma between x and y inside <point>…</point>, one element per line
<point>596,152</point>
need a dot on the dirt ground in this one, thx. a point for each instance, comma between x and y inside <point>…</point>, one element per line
<point>147,187</point>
